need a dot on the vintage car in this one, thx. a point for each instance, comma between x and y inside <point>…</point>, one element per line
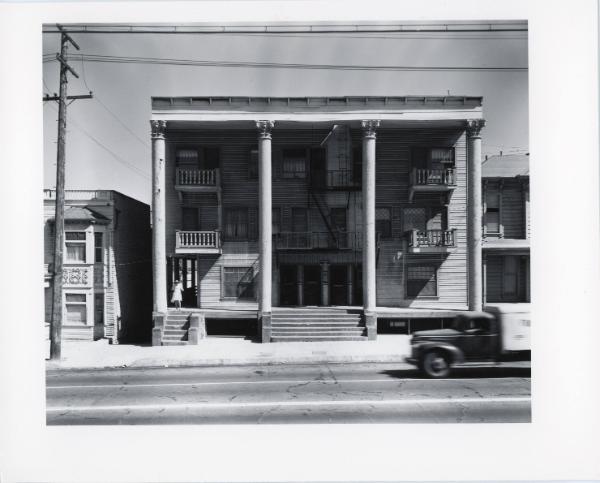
<point>499,333</point>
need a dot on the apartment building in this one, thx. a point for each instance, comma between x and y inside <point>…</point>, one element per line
<point>107,287</point>
<point>506,228</point>
<point>355,208</point>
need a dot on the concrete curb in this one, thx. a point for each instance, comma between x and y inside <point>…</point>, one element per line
<point>214,362</point>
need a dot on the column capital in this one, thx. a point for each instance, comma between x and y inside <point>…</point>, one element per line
<point>369,127</point>
<point>264,128</point>
<point>158,129</point>
<point>474,127</point>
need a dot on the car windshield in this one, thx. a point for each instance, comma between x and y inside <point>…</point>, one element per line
<point>470,325</point>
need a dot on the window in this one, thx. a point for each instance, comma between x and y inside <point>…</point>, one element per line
<point>99,308</point>
<point>253,164</point>
<point>357,164</point>
<point>238,282</point>
<point>197,158</point>
<point>424,218</point>
<point>299,220</point>
<point>293,163</point>
<point>236,223</point>
<point>492,213</point>
<point>383,222</point>
<point>98,247</point>
<point>421,281</point>
<point>75,246</point>
<point>428,157</point>
<point>76,309</point>
<point>510,279</point>
<point>275,220</point>
<point>338,219</point>
<point>189,218</point>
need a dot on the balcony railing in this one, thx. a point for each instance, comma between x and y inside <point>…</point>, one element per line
<point>198,240</point>
<point>317,241</point>
<point>196,177</point>
<point>435,177</point>
<point>80,194</point>
<point>431,239</point>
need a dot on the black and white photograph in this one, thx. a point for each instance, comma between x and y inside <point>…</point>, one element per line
<point>302,231</point>
<point>377,174</point>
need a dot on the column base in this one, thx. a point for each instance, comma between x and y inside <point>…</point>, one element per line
<point>265,327</point>
<point>158,326</point>
<point>371,325</point>
<point>197,330</point>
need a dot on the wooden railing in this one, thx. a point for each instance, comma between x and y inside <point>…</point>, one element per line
<point>341,178</point>
<point>80,194</point>
<point>317,240</point>
<point>431,238</point>
<point>196,177</point>
<point>421,177</point>
<point>198,239</point>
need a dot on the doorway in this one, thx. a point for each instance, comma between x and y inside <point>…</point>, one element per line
<point>312,285</point>
<point>287,281</point>
<point>338,291</point>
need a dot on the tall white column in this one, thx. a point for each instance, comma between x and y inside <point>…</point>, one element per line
<point>159,254</point>
<point>369,242</point>
<point>265,226</point>
<point>475,214</point>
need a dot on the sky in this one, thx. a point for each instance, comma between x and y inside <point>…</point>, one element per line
<point>108,137</point>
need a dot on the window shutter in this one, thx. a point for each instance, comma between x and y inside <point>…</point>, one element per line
<point>253,223</point>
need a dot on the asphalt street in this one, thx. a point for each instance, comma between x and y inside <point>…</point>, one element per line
<point>320,393</point>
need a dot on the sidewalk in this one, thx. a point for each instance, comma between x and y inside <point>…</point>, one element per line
<point>220,351</point>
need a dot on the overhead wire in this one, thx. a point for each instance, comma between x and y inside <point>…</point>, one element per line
<point>279,65</point>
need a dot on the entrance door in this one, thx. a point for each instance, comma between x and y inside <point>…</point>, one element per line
<point>312,285</point>
<point>358,287</point>
<point>287,283</point>
<point>338,276</point>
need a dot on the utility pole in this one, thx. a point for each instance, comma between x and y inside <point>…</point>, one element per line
<point>59,218</point>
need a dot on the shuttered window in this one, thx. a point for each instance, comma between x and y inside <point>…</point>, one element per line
<point>236,224</point>
<point>197,158</point>
<point>421,281</point>
<point>383,222</point>
<point>253,163</point>
<point>98,247</point>
<point>238,282</point>
<point>293,163</point>
<point>492,213</point>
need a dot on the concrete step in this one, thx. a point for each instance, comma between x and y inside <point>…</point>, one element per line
<point>174,337</point>
<point>317,315</point>
<point>320,333</point>
<point>321,323</point>
<point>174,342</point>
<point>282,338</point>
<point>174,332</point>
<point>184,326</point>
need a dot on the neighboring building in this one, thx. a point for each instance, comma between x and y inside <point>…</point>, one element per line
<point>506,228</point>
<point>355,202</point>
<point>107,288</point>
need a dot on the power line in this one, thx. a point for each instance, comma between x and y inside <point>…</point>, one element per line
<point>137,170</point>
<point>277,65</point>
<point>110,111</point>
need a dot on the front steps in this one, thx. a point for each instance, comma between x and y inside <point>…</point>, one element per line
<point>316,324</point>
<point>176,328</point>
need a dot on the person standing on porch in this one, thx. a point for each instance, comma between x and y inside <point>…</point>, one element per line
<point>177,294</point>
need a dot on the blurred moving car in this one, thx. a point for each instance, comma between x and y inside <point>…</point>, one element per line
<point>500,333</point>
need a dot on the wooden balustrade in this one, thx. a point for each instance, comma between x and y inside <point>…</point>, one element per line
<point>433,176</point>
<point>316,240</point>
<point>196,177</point>
<point>198,239</point>
<point>431,238</point>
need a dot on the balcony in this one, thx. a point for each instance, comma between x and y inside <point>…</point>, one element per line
<point>317,241</point>
<point>431,181</point>
<point>198,242</point>
<point>431,241</point>
<point>197,180</point>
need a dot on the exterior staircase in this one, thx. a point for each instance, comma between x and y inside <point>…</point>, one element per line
<point>316,324</point>
<point>176,328</point>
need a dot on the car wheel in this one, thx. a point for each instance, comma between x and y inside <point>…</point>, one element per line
<point>436,364</point>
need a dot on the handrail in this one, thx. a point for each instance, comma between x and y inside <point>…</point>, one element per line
<point>431,238</point>
<point>421,177</point>
<point>306,240</point>
<point>196,177</point>
<point>197,239</point>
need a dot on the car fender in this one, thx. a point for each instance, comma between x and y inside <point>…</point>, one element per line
<point>455,353</point>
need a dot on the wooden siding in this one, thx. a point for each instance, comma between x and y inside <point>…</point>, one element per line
<point>392,178</point>
<point>514,195</point>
